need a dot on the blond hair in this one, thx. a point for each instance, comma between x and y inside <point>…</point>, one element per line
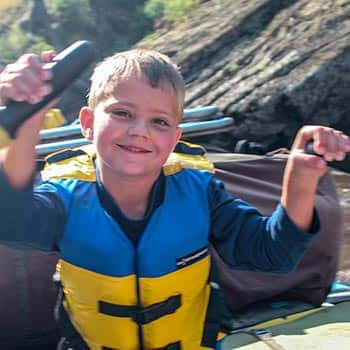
<point>157,68</point>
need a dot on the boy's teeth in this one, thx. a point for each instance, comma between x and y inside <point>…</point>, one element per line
<point>134,149</point>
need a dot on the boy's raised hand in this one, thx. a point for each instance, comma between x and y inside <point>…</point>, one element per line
<point>303,170</point>
<point>25,80</point>
<point>329,143</point>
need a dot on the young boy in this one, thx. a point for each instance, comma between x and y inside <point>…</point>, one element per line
<point>133,233</point>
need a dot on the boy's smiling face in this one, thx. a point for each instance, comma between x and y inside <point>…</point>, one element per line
<point>134,129</point>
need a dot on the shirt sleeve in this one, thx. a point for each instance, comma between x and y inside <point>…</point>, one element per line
<point>30,218</point>
<point>246,240</point>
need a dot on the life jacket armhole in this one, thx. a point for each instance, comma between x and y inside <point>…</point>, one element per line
<point>187,155</point>
<point>70,164</point>
<point>64,155</point>
<point>189,148</point>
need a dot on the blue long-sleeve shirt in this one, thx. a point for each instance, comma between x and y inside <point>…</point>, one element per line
<point>244,238</point>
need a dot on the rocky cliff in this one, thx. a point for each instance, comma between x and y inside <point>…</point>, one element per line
<point>272,65</point>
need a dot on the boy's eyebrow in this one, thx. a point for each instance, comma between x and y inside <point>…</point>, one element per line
<point>123,103</point>
<point>131,104</point>
<point>160,111</point>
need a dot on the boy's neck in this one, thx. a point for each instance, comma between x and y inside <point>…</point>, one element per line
<point>131,194</point>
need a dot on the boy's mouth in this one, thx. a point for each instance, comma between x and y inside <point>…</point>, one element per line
<point>134,149</point>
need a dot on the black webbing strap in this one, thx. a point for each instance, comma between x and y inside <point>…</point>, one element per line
<point>172,346</point>
<point>214,310</point>
<point>71,339</point>
<point>141,315</point>
<point>63,155</point>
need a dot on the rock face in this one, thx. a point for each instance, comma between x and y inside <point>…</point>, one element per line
<point>272,65</point>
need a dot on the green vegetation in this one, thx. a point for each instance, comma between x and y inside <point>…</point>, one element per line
<point>11,44</point>
<point>155,8</point>
<point>260,66</point>
<point>39,46</point>
<point>14,41</point>
<point>231,68</point>
<point>74,16</point>
<point>112,25</point>
<point>70,11</point>
<point>172,11</point>
<point>68,7</point>
<point>18,42</point>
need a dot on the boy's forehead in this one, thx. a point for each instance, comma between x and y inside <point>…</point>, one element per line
<point>135,85</point>
<point>134,91</point>
<point>137,79</point>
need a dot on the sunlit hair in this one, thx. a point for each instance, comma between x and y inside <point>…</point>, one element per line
<point>157,68</point>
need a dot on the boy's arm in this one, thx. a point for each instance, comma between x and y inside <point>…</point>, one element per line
<point>24,80</point>
<point>26,216</point>
<point>31,218</point>
<point>303,171</point>
<point>246,240</point>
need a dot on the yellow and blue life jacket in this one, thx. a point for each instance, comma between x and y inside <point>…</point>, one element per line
<point>151,296</point>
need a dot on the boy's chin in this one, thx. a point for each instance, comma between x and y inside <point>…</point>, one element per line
<point>135,172</point>
<point>129,170</point>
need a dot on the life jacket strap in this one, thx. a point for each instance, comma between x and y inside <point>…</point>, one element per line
<point>212,324</point>
<point>65,344</point>
<point>70,339</point>
<point>172,346</point>
<point>141,315</point>
<point>215,309</point>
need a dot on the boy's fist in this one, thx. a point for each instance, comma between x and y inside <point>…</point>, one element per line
<point>329,143</point>
<point>26,79</point>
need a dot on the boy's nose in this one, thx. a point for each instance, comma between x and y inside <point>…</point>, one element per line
<point>139,128</point>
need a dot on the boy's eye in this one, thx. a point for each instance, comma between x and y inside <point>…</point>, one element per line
<point>121,113</point>
<point>161,122</point>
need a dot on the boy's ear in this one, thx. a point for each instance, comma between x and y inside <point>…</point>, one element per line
<point>178,134</point>
<point>86,117</point>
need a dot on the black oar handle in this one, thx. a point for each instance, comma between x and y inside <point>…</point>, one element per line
<point>66,67</point>
<point>342,164</point>
<point>309,149</point>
